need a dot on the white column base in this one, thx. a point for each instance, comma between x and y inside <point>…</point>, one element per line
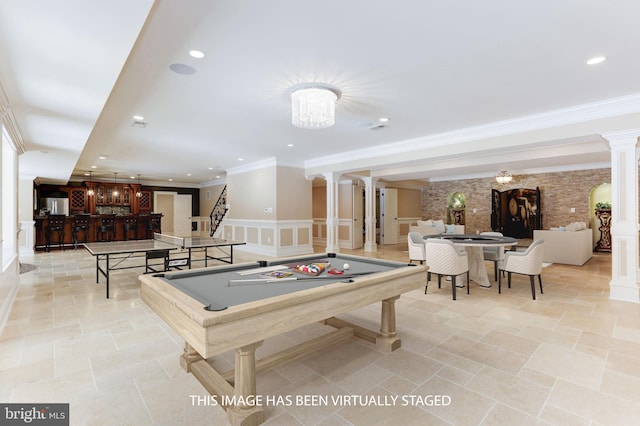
<point>624,290</point>
<point>332,249</point>
<point>369,246</point>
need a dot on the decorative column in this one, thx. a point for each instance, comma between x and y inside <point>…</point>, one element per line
<point>370,214</point>
<point>332,211</point>
<point>624,215</point>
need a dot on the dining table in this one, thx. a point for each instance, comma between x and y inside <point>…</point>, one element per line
<point>474,245</point>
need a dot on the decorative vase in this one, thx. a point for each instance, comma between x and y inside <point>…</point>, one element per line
<point>604,243</point>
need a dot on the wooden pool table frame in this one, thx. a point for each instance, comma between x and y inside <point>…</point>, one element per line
<point>244,327</point>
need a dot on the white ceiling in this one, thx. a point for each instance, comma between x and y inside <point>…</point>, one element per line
<point>470,87</point>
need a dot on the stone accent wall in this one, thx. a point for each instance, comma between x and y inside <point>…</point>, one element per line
<point>560,191</point>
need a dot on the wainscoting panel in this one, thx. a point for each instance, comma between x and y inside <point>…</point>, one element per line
<point>271,238</point>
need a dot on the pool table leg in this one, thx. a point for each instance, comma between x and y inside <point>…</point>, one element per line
<point>188,357</point>
<point>245,386</point>
<point>388,340</point>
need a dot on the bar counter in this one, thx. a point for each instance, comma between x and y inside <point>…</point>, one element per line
<point>143,221</point>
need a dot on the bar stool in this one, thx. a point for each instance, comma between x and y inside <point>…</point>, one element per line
<point>80,224</point>
<point>154,223</point>
<point>107,227</point>
<point>131,224</point>
<point>55,224</point>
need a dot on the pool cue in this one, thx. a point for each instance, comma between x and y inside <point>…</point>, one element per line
<point>275,280</point>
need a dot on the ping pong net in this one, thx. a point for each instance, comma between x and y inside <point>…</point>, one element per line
<point>170,239</point>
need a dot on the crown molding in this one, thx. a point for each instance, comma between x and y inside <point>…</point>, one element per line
<point>580,113</point>
<point>215,182</point>
<point>262,164</point>
<point>269,162</point>
<point>540,170</point>
<point>8,121</point>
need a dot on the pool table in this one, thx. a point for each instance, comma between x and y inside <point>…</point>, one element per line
<point>236,307</point>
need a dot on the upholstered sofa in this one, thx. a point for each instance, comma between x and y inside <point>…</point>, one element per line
<point>567,247</point>
<point>435,227</point>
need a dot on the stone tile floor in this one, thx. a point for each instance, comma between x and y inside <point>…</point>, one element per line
<point>572,357</point>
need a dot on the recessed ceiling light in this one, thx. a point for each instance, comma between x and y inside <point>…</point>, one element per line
<point>132,177</point>
<point>94,167</point>
<point>102,157</point>
<point>188,174</point>
<point>87,174</point>
<point>218,177</point>
<point>290,145</point>
<point>210,168</point>
<point>383,119</point>
<point>138,117</point>
<point>198,54</point>
<point>240,159</point>
<point>170,180</point>
<point>596,60</point>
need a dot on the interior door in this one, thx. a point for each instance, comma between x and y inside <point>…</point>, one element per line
<point>389,215</point>
<point>182,215</point>
<point>358,217</point>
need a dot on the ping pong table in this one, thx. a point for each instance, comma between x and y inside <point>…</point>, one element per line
<point>118,254</point>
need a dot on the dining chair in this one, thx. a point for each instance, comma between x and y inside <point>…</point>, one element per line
<point>493,253</point>
<point>443,258</point>
<point>528,262</point>
<point>416,247</point>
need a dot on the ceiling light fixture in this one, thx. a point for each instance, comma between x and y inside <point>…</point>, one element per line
<point>313,105</point>
<point>198,54</point>
<point>596,60</point>
<point>503,177</point>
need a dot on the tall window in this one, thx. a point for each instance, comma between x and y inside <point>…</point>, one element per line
<point>8,212</point>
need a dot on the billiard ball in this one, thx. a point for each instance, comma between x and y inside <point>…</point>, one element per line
<point>345,266</point>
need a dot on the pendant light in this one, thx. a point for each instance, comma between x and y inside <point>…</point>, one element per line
<point>115,183</point>
<point>90,191</point>
<point>139,192</point>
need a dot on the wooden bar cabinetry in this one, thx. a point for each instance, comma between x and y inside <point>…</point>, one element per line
<point>94,198</point>
<point>143,229</point>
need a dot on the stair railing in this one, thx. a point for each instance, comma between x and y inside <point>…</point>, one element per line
<point>219,211</point>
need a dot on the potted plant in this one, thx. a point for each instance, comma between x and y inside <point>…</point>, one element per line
<point>603,205</point>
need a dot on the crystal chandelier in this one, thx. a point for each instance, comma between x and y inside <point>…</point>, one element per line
<point>313,106</point>
<point>503,177</point>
